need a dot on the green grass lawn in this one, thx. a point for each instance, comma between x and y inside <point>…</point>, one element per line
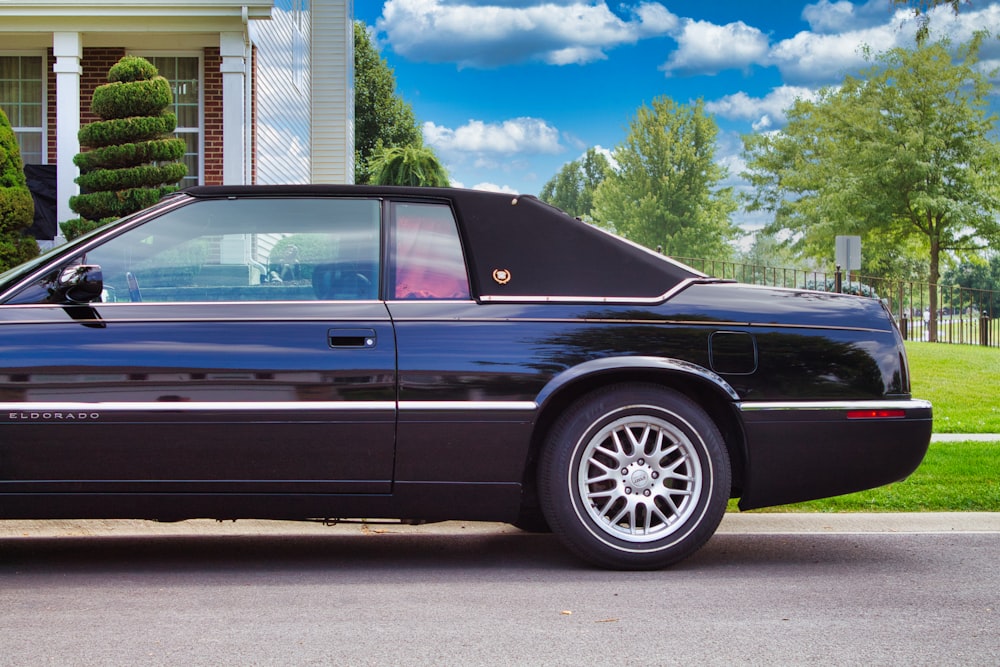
<point>963,384</point>
<point>961,381</point>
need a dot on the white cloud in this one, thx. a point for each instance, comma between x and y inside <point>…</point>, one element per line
<point>707,48</point>
<point>764,112</point>
<point>516,136</point>
<point>841,16</point>
<point>493,187</point>
<point>495,34</point>
<point>832,48</point>
<point>812,58</point>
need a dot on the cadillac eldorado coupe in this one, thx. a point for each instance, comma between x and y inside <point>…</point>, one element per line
<point>329,352</point>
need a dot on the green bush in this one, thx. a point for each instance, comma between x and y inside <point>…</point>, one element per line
<point>16,249</point>
<point>17,209</point>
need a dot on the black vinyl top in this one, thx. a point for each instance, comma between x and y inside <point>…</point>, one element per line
<point>519,246</point>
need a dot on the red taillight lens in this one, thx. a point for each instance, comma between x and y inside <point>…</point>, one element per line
<point>875,414</point>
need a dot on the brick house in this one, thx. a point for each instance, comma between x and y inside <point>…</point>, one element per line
<point>263,89</point>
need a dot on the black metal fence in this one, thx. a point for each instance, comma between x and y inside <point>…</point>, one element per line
<point>955,315</point>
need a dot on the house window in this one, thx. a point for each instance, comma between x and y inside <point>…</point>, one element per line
<point>184,75</point>
<point>21,98</point>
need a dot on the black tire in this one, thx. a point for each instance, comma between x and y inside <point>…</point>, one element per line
<point>634,477</point>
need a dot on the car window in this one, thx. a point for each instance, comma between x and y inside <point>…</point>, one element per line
<point>427,258</point>
<point>252,249</point>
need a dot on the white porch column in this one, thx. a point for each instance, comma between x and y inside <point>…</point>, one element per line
<point>232,48</point>
<point>67,47</point>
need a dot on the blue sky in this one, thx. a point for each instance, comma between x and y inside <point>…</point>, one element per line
<point>508,91</point>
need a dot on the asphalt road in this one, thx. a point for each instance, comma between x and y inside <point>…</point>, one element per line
<point>766,590</point>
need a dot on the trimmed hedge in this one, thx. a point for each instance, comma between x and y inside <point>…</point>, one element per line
<point>145,176</point>
<point>124,155</point>
<point>79,226</point>
<point>132,68</point>
<point>131,164</point>
<point>116,203</point>
<point>126,130</point>
<point>135,98</point>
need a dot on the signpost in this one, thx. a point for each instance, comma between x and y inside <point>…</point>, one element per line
<point>849,252</point>
<point>848,256</point>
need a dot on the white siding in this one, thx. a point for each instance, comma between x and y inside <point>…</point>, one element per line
<point>332,91</point>
<point>283,91</point>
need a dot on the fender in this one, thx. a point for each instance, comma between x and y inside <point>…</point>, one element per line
<point>612,364</point>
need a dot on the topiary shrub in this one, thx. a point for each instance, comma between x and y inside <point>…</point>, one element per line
<point>131,163</point>
<point>17,208</point>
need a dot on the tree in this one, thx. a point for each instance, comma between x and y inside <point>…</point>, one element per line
<point>664,192</point>
<point>902,154</point>
<point>382,119</point>
<point>408,165</point>
<point>572,188</point>
<point>132,162</point>
<point>17,209</point>
<point>977,273</point>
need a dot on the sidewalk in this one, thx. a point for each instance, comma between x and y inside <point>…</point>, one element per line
<point>960,437</point>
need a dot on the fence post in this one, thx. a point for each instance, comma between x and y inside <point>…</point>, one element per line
<point>838,281</point>
<point>984,330</point>
<point>904,327</point>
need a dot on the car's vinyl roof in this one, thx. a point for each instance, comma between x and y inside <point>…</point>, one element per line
<point>519,246</point>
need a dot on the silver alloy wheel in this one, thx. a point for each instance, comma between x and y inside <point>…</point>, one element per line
<point>640,478</point>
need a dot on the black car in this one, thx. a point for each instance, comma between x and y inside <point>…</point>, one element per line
<point>322,352</point>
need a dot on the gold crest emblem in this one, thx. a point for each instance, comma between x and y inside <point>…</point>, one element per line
<point>502,276</point>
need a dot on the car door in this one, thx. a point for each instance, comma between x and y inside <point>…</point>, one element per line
<point>239,346</point>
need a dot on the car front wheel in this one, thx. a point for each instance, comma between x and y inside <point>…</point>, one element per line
<point>634,477</point>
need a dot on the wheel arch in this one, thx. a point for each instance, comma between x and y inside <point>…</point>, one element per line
<point>712,393</point>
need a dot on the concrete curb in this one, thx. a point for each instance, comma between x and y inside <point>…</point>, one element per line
<point>962,437</point>
<point>860,522</point>
<point>754,523</point>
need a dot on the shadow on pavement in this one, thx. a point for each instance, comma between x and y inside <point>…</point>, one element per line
<point>406,556</point>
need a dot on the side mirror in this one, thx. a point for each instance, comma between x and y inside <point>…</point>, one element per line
<point>81,283</point>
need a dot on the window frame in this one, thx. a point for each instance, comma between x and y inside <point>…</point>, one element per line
<point>42,130</point>
<point>198,131</point>
<point>391,260</point>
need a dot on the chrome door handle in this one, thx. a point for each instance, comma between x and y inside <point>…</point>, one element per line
<point>363,338</point>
